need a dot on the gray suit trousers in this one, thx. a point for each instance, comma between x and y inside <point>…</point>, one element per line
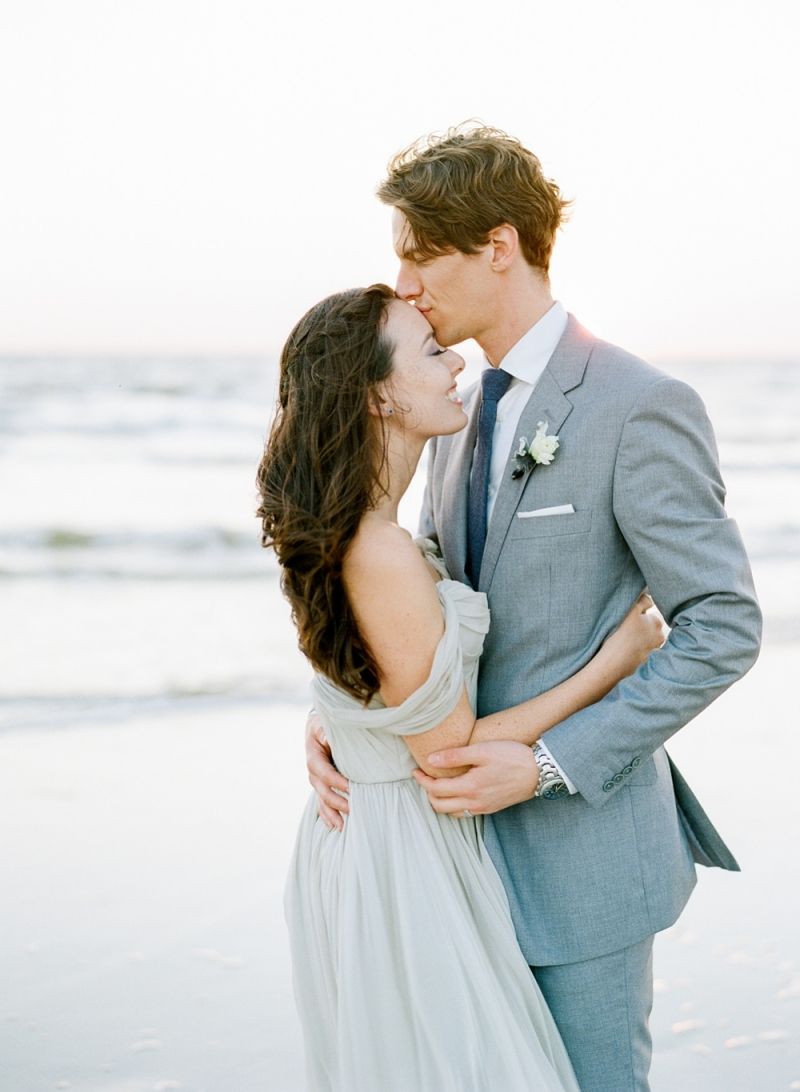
<point>602,1007</point>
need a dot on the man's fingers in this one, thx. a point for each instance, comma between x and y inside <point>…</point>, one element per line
<point>322,772</point>
<point>329,785</point>
<point>425,780</point>
<point>328,777</point>
<point>331,808</point>
<point>444,787</point>
<point>451,805</point>
<point>457,756</point>
<point>446,794</point>
<point>331,819</point>
<point>330,798</point>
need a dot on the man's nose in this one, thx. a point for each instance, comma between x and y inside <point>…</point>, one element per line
<point>408,285</point>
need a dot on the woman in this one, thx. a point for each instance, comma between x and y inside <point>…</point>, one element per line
<point>407,971</point>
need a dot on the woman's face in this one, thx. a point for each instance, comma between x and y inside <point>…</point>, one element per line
<point>422,386</point>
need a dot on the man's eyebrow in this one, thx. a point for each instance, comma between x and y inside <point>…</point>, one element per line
<point>408,247</point>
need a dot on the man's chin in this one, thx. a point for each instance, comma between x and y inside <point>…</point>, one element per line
<point>443,336</point>
<point>448,336</point>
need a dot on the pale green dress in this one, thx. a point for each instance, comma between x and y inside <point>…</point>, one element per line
<point>407,972</point>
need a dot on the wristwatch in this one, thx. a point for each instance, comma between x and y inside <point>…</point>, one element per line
<point>551,784</point>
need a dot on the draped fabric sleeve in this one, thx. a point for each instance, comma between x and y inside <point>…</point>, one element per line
<point>422,710</point>
<point>430,551</point>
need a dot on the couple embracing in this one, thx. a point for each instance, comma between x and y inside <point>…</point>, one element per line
<point>497,831</point>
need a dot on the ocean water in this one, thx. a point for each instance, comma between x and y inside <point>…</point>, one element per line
<point>152,699</point>
<point>131,573</point>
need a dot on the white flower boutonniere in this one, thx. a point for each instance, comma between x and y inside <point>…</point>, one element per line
<point>540,451</point>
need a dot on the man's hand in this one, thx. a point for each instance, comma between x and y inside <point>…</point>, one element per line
<point>503,773</point>
<point>326,781</point>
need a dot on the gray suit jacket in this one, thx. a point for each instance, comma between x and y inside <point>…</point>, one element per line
<point>597,871</point>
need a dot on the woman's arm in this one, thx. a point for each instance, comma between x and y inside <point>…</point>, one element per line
<point>641,631</point>
<point>400,618</point>
<point>399,615</point>
<point>625,649</point>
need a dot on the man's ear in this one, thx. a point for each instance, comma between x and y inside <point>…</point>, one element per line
<point>504,244</point>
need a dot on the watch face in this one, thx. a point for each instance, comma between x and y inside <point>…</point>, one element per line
<point>554,791</point>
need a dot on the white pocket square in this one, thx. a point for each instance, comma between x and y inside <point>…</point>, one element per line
<point>556,510</point>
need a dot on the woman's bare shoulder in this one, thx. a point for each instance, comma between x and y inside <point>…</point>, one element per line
<point>388,582</point>
<point>393,595</point>
<point>382,551</point>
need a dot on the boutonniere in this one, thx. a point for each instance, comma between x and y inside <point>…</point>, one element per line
<point>541,450</point>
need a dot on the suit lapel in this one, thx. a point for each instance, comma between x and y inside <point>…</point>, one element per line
<point>564,372</point>
<point>453,528</point>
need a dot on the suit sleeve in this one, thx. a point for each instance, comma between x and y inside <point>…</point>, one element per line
<point>427,526</point>
<point>668,499</point>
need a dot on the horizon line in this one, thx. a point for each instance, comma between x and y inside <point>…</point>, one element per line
<point>111,356</point>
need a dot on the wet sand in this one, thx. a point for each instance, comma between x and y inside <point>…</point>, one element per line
<point>143,944</point>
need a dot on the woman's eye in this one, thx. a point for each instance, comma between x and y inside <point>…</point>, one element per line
<point>439,352</point>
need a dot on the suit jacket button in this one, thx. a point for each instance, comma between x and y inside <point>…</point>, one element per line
<point>628,770</point>
<point>617,778</point>
<point>636,762</point>
<point>609,785</point>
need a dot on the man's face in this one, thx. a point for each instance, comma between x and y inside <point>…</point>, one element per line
<point>452,291</point>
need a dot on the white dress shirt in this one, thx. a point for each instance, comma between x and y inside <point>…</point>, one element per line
<point>525,362</point>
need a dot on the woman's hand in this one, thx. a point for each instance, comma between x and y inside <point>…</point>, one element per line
<point>642,630</point>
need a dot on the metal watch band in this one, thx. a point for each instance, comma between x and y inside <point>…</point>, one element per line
<point>551,784</point>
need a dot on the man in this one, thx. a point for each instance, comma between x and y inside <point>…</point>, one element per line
<point>582,475</point>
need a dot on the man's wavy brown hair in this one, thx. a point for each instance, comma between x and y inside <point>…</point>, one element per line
<point>455,188</point>
<point>321,471</point>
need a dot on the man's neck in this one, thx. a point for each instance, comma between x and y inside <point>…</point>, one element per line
<point>514,315</point>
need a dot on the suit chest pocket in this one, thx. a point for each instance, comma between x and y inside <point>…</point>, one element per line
<point>550,526</point>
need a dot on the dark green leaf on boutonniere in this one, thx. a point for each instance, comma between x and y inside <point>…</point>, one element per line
<point>539,452</point>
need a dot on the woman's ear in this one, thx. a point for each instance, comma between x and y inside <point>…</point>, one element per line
<point>380,405</point>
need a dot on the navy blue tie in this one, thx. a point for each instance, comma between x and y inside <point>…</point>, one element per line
<point>494,384</point>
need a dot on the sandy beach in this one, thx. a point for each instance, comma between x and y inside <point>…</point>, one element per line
<point>152,702</point>
<point>181,182</point>
<point>144,947</point>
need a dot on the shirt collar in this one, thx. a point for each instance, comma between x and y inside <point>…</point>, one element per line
<point>527,359</point>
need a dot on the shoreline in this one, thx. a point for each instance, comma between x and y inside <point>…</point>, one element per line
<point>145,943</point>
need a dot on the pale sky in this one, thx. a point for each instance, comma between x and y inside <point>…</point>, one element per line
<point>189,176</point>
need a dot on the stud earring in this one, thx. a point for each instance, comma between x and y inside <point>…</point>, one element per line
<point>389,411</point>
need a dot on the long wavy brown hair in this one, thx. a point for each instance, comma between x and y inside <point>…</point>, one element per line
<point>321,471</point>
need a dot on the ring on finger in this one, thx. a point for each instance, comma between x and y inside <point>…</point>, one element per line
<point>468,814</point>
